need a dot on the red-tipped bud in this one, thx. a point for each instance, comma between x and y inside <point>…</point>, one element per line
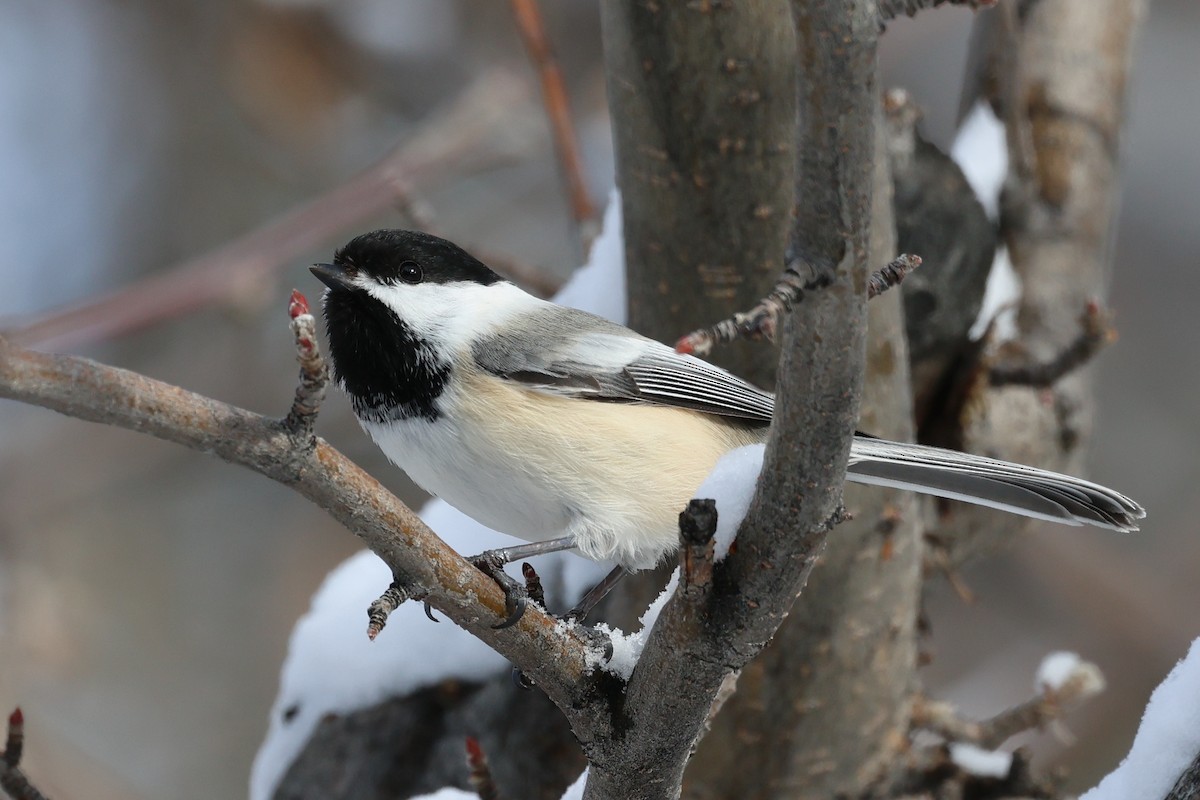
<point>297,305</point>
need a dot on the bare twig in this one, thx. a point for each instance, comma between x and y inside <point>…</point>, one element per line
<point>82,388</point>
<point>554,95</point>
<point>697,526</point>
<point>762,321</point>
<point>1097,333</point>
<point>891,274</point>
<point>940,717</point>
<point>450,144</point>
<point>314,373</point>
<point>1083,683</point>
<point>382,607</point>
<point>890,9</point>
<point>12,780</point>
<point>481,774</point>
<point>533,584</point>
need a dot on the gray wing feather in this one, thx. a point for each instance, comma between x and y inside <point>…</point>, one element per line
<point>570,352</point>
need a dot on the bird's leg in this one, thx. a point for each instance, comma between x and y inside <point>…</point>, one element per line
<point>491,563</point>
<point>596,594</point>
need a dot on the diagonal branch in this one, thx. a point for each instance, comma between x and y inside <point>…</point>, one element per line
<point>427,567</point>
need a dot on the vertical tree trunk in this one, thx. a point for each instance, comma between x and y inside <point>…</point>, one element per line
<point>823,709</point>
<point>703,112</point>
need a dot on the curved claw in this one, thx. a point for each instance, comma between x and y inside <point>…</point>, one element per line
<point>521,680</point>
<point>429,612</point>
<point>518,611</point>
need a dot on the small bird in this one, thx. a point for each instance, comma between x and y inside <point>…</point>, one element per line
<point>570,431</point>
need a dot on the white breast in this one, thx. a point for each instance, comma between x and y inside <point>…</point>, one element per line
<point>538,466</point>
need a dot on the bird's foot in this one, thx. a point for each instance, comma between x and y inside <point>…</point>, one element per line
<point>491,563</point>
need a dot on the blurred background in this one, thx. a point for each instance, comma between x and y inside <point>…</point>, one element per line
<point>147,592</point>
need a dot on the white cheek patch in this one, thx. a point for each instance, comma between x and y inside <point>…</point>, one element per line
<point>452,315</point>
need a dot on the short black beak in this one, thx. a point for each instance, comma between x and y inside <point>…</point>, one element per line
<point>332,275</point>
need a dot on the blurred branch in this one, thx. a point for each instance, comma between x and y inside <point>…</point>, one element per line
<point>554,95</point>
<point>461,139</point>
<point>890,9</point>
<point>1056,72</point>
<point>1084,682</point>
<point>12,780</point>
<point>1097,332</point>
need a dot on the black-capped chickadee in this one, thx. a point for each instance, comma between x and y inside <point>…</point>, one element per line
<point>550,423</point>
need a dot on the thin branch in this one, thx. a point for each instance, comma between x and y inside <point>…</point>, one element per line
<point>458,141</point>
<point>383,606</point>
<point>314,373</point>
<point>890,9</point>
<point>762,321</point>
<point>697,526</point>
<point>533,584</point>
<point>1098,332</point>
<point>554,95</point>
<point>423,563</point>
<point>1050,705</point>
<point>480,773</point>
<point>12,780</point>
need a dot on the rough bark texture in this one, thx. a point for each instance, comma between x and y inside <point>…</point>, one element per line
<point>1187,787</point>
<point>824,707</point>
<point>703,119</point>
<point>698,641</point>
<point>1056,70</point>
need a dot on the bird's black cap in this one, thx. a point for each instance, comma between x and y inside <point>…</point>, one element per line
<point>383,254</point>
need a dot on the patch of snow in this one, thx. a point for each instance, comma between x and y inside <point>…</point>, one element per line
<point>1003,290</point>
<point>599,285</point>
<point>575,790</point>
<point>731,483</point>
<point>981,151</point>
<point>1166,741</point>
<point>449,793</point>
<point>977,761</point>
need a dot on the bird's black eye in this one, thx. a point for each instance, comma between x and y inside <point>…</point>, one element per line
<point>411,272</point>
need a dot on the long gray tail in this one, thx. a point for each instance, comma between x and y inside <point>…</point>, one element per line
<point>985,481</point>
